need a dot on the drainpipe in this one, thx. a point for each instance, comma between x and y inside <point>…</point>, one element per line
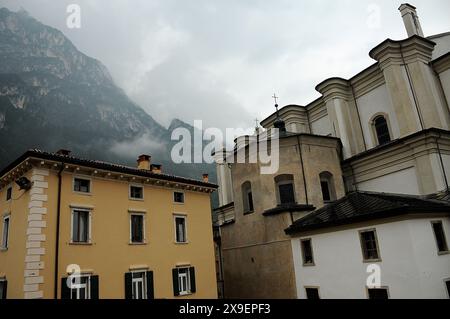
<point>442,162</point>
<point>58,218</point>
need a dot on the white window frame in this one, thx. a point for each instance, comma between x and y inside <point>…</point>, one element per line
<point>89,235</point>
<point>188,281</point>
<point>143,214</point>
<point>87,286</point>
<point>134,198</point>
<point>183,216</point>
<point>135,281</point>
<point>5,239</point>
<point>184,198</point>
<point>82,178</point>
<point>440,222</point>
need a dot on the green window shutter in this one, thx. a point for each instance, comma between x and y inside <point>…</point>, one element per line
<point>192,277</point>
<point>128,285</point>
<point>150,287</point>
<point>94,287</point>
<point>176,288</point>
<point>65,291</point>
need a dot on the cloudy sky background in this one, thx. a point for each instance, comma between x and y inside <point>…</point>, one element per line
<point>221,60</point>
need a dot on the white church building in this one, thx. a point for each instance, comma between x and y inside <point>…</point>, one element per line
<point>362,191</point>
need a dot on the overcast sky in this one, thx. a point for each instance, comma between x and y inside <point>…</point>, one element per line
<point>221,60</point>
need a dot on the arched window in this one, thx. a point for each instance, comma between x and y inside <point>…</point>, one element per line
<point>247,198</point>
<point>382,130</point>
<point>285,189</point>
<point>327,186</point>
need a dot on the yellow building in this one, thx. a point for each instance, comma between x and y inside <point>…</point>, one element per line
<point>75,228</point>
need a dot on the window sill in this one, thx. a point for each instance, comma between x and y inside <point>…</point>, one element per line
<point>309,265</point>
<point>176,203</point>
<point>136,199</point>
<point>249,213</point>
<point>443,253</point>
<point>138,244</point>
<point>185,294</point>
<point>3,249</point>
<point>80,244</point>
<point>82,193</point>
<point>369,261</point>
<point>181,243</point>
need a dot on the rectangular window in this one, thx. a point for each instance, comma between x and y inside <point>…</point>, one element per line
<point>137,228</point>
<point>5,233</point>
<point>326,195</point>
<point>307,252</point>
<point>81,288</point>
<point>369,245</point>
<point>80,226</point>
<point>81,185</point>
<point>447,284</point>
<point>136,192</point>
<point>287,195</point>
<point>180,229</point>
<point>3,288</point>
<point>439,234</point>
<point>312,293</point>
<point>139,285</point>
<point>178,197</point>
<point>9,193</point>
<point>378,294</point>
<point>184,281</point>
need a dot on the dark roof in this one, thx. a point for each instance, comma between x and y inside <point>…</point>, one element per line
<point>39,154</point>
<point>363,206</point>
<point>289,208</point>
<point>444,195</point>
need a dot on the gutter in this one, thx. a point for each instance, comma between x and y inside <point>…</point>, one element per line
<point>58,222</point>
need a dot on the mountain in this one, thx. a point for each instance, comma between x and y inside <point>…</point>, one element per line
<point>52,96</point>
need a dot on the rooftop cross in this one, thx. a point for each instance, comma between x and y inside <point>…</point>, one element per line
<point>275,97</point>
<point>256,122</point>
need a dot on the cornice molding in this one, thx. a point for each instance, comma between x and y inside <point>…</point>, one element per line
<point>442,64</point>
<point>334,88</point>
<point>413,49</point>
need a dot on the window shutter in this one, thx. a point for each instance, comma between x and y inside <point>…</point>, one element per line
<point>5,289</point>
<point>176,288</point>
<point>150,287</point>
<point>65,291</point>
<point>128,285</point>
<point>192,277</point>
<point>94,287</point>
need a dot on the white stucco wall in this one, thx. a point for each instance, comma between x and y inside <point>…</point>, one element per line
<point>411,267</point>
<point>322,126</point>
<point>372,103</point>
<point>401,182</point>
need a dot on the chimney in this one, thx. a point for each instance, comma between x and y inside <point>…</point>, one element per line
<point>144,162</point>
<point>205,178</point>
<point>156,169</point>
<point>63,152</point>
<point>411,20</point>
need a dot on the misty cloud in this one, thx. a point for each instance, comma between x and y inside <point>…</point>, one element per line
<point>220,61</point>
<point>143,144</point>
